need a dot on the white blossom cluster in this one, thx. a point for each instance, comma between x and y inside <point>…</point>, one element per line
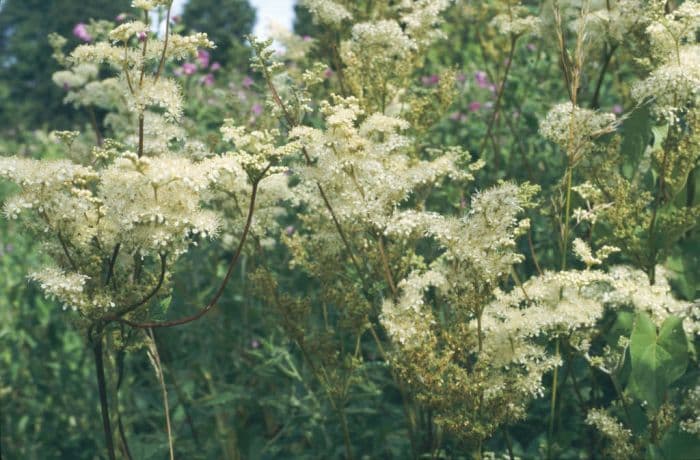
<point>381,54</point>
<point>620,438</point>
<point>672,84</point>
<point>153,204</point>
<point>516,22</point>
<point>327,11</point>
<point>479,250</point>
<point>575,129</point>
<point>256,150</point>
<point>365,164</point>
<point>618,19</point>
<point>691,407</point>
<point>133,205</point>
<point>585,253</point>
<point>69,289</point>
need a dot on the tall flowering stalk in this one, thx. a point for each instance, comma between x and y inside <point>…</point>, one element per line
<point>115,220</point>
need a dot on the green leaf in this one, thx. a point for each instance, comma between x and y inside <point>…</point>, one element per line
<point>672,339</point>
<point>165,303</point>
<point>637,131</point>
<point>657,359</point>
<point>679,444</point>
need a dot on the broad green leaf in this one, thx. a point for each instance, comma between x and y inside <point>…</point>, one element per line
<point>679,444</point>
<point>637,132</point>
<point>657,359</point>
<point>672,339</point>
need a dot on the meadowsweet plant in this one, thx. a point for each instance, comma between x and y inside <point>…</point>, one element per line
<point>116,218</point>
<point>447,248</point>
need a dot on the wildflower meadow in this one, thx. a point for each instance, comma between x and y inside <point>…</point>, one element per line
<point>399,229</point>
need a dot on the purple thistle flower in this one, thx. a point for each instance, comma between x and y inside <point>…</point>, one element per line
<point>247,82</point>
<point>617,109</point>
<point>142,36</point>
<point>121,17</point>
<point>188,68</point>
<point>289,230</point>
<point>328,73</point>
<point>430,80</point>
<point>215,66</point>
<point>81,32</point>
<point>208,79</point>
<point>474,106</point>
<point>256,109</point>
<point>203,58</point>
<point>482,80</point>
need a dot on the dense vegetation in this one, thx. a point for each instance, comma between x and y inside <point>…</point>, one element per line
<point>413,229</point>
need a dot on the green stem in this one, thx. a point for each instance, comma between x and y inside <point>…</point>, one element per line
<point>346,432</point>
<point>104,406</point>
<point>567,217</point>
<point>552,405</point>
<point>509,444</point>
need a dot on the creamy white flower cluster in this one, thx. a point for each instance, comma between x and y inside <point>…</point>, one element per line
<point>327,11</point>
<point>620,438</point>
<point>479,250</point>
<point>570,301</point>
<point>585,253</point>
<point>421,18</point>
<point>153,204</point>
<point>380,55</point>
<point>69,289</point>
<point>575,129</point>
<point>148,5</point>
<point>616,20</point>
<point>691,407</point>
<point>113,221</point>
<point>673,84</point>
<point>256,151</point>
<point>365,165</point>
<point>517,21</point>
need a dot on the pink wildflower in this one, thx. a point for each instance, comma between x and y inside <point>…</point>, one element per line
<point>430,80</point>
<point>188,68</point>
<point>208,79</point>
<point>81,32</point>
<point>203,58</point>
<point>482,80</point>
